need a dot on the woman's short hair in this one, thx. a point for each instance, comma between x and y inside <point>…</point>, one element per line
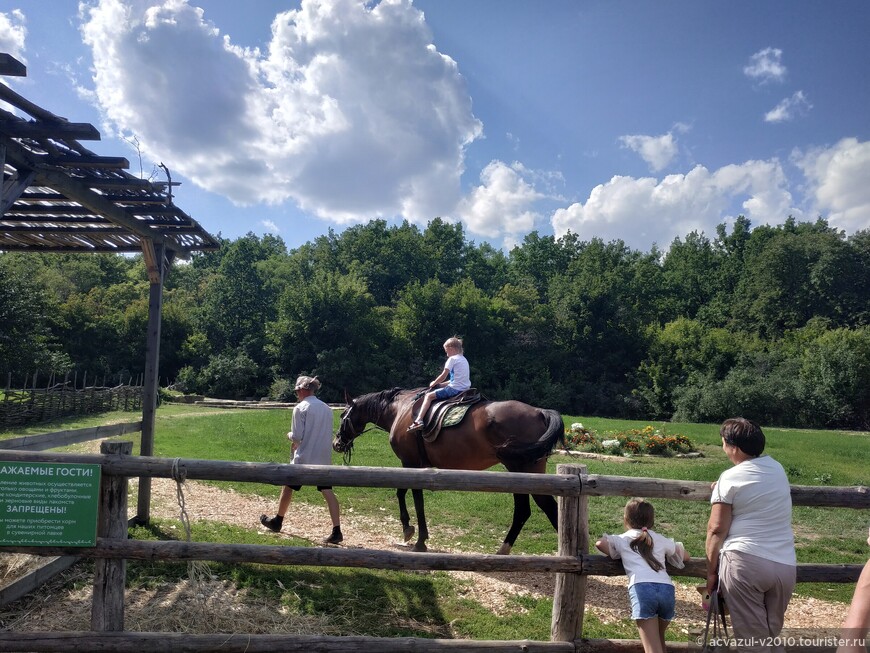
<point>744,434</point>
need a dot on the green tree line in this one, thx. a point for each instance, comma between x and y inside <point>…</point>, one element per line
<point>771,322</point>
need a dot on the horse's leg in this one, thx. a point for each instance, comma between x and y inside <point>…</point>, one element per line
<point>404,517</point>
<point>548,504</point>
<point>522,512</point>
<point>423,531</point>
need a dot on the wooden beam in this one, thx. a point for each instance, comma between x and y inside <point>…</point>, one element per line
<point>48,209</point>
<point>13,188</point>
<point>120,183</point>
<point>42,197</point>
<point>83,131</point>
<point>10,66</point>
<point>108,229</point>
<point>88,218</point>
<point>66,249</point>
<point>88,161</point>
<point>156,263</point>
<point>10,96</point>
<point>79,192</point>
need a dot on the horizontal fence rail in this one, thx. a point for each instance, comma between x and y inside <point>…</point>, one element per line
<point>429,479</point>
<point>586,564</point>
<point>44,441</point>
<point>93,642</point>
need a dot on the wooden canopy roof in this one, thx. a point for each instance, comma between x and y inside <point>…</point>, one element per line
<point>57,196</point>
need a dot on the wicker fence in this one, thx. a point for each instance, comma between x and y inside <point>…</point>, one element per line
<point>32,404</point>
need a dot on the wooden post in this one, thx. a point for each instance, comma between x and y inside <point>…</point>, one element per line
<point>569,595</point>
<point>152,376</point>
<point>107,609</point>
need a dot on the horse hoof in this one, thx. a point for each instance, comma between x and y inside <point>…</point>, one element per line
<point>408,533</point>
<point>420,547</point>
<point>504,549</point>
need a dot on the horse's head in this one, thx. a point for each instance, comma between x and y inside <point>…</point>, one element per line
<point>351,426</point>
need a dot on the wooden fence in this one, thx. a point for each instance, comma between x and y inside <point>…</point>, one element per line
<point>32,404</point>
<point>572,564</point>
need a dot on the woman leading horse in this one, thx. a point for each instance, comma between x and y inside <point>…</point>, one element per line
<point>509,432</point>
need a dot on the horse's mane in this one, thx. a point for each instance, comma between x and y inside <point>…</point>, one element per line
<point>376,403</point>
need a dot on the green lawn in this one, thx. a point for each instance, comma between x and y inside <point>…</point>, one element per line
<point>404,604</point>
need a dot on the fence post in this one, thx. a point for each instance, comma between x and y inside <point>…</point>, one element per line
<point>107,609</point>
<point>569,595</point>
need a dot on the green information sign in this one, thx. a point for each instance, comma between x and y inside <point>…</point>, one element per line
<point>48,504</point>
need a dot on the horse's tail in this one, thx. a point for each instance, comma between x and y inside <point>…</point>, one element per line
<point>530,452</point>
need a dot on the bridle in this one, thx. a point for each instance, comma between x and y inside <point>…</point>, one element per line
<point>346,424</point>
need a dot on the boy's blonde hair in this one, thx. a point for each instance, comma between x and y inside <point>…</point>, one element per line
<point>454,343</point>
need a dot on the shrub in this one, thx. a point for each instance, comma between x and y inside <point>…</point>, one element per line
<point>282,390</point>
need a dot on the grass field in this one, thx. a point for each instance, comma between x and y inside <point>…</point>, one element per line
<point>422,605</point>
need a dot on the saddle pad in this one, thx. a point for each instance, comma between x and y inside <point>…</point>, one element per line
<point>454,415</point>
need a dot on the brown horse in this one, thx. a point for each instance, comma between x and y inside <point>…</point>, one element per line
<point>509,432</point>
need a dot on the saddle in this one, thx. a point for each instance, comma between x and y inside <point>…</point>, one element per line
<point>444,413</point>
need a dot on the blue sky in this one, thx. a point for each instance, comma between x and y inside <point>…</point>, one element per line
<point>631,120</point>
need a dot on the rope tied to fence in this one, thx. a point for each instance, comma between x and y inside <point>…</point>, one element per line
<point>197,570</point>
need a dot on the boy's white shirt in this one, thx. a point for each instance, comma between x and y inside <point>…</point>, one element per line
<point>458,364</point>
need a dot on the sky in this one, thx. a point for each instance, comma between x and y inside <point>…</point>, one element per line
<point>611,119</point>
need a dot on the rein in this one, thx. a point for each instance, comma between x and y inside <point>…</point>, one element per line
<point>348,452</point>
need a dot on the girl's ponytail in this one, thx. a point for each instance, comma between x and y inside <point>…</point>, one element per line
<point>643,546</point>
<point>640,514</point>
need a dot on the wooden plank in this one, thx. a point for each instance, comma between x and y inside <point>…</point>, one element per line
<point>83,131</point>
<point>635,646</point>
<point>589,565</point>
<point>569,594</point>
<point>311,556</point>
<point>28,210</point>
<point>50,231</point>
<point>23,586</point>
<point>88,161</point>
<point>75,642</point>
<point>107,608</point>
<point>44,441</point>
<point>10,66</point>
<point>801,495</point>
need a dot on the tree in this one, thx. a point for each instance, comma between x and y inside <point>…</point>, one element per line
<point>26,341</point>
<point>238,301</point>
<point>329,326</point>
<point>540,258</point>
<point>690,275</point>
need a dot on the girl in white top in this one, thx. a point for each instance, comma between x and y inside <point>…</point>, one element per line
<point>650,589</point>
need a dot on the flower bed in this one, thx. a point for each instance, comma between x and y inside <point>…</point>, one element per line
<point>648,440</point>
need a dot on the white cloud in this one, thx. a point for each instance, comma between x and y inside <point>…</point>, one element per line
<point>13,33</point>
<point>657,151</point>
<point>270,226</point>
<point>837,180</point>
<point>766,66</point>
<point>502,204</point>
<point>788,108</point>
<point>351,113</point>
<point>646,210</point>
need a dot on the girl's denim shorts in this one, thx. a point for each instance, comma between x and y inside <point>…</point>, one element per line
<point>650,600</point>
